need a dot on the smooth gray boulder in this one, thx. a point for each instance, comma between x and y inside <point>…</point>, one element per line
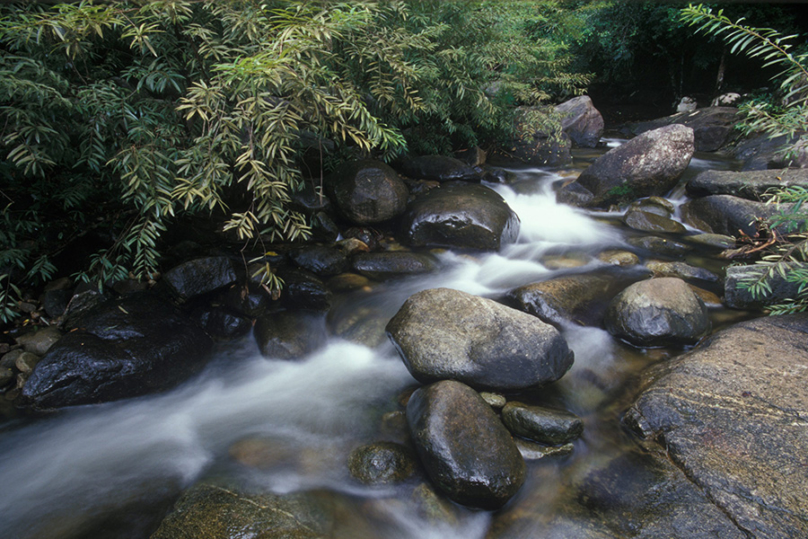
<point>541,424</point>
<point>460,216</point>
<point>662,311</point>
<point>581,121</point>
<point>750,184</point>
<point>393,264</point>
<point>647,165</point>
<point>465,449</point>
<point>123,348</point>
<point>726,214</point>
<point>367,192</point>
<point>713,127</point>
<point>731,414</point>
<point>447,334</point>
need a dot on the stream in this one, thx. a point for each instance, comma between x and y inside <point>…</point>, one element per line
<point>114,470</point>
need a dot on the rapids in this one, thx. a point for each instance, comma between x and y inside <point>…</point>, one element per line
<point>113,470</point>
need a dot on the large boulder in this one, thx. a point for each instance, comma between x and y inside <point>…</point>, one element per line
<point>581,121</point>
<point>750,185</point>
<point>200,276</point>
<point>438,168</point>
<point>367,192</point>
<point>464,216</point>
<point>763,152</point>
<point>731,415</point>
<point>218,510</point>
<point>465,449</point>
<point>713,127</point>
<point>647,165</point>
<point>658,312</point>
<point>727,214</point>
<point>123,348</point>
<point>448,334</point>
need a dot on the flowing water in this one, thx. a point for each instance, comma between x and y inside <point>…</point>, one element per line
<point>113,470</point>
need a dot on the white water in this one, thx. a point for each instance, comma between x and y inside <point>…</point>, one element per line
<point>57,471</point>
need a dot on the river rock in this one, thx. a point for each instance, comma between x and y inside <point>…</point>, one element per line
<point>541,424</point>
<point>662,268</point>
<point>652,222</point>
<point>662,246</point>
<point>581,121</point>
<point>392,265</point>
<point>304,290</point>
<point>730,413</point>
<point>381,463</point>
<point>738,296</point>
<point>210,510</point>
<point>581,298</point>
<point>619,258</point>
<point>656,205</point>
<point>750,185</point>
<point>466,451</point>
<point>463,216</point>
<point>713,127</point>
<point>200,276</point>
<point>764,152</point>
<point>448,334</point>
<point>367,192</point>
<point>40,341</point>
<point>658,312</point>
<point>362,325</point>
<point>221,324</point>
<point>532,451</point>
<point>290,334</point>
<point>647,165</point>
<point>322,260</point>
<point>438,168</point>
<point>729,215</point>
<point>123,348</point>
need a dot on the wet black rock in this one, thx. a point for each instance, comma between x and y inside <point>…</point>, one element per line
<point>304,290</point>
<point>662,311</point>
<point>438,168</point>
<point>367,192</point>
<point>221,324</point>
<point>466,451</point>
<point>647,165</point>
<point>448,334</point>
<point>541,424</point>
<point>323,260</point>
<point>382,463</point>
<point>290,334</point>
<point>730,414</point>
<point>738,296</point>
<point>464,216</point>
<point>729,215</point>
<point>200,276</point>
<point>393,264</point>
<point>123,348</point>
<point>750,185</point>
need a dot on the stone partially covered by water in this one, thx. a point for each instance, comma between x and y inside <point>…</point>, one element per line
<point>123,348</point>
<point>448,334</point>
<point>541,424</point>
<point>657,312</point>
<point>466,451</point>
<point>381,463</point>
<point>290,334</point>
<point>649,164</point>
<point>731,414</point>
<point>459,215</point>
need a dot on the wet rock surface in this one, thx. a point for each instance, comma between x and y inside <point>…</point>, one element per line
<point>200,276</point>
<point>381,463</point>
<point>541,424</point>
<point>656,312</point>
<point>731,415</point>
<point>448,334</point>
<point>464,216</point>
<point>738,296</point>
<point>438,168</point>
<point>650,164</point>
<point>290,334</point>
<point>750,185</point>
<point>391,265</point>
<point>581,121</point>
<point>726,214</point>
<point>367,192</point>
<point>713,127</point>
<point>124,348</point>
<point>466,451</point>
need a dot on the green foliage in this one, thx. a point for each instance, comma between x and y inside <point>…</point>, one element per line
<point>123,117</point>
<point>786,257</point>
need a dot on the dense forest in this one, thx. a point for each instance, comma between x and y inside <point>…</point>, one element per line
<point>123,120</point>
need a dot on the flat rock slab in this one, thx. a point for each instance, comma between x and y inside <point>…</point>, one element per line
<point>733,414</point>
<point>750,184</point>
